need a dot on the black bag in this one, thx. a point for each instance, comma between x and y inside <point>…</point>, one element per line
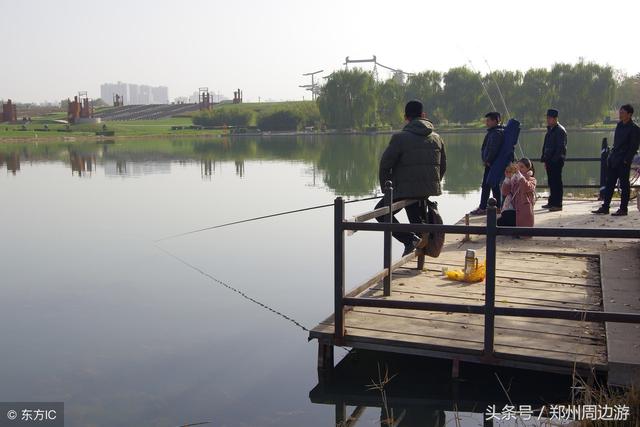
<point>434,241</point>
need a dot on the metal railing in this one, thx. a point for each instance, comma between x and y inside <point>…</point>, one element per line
<point>491,231</point>
<point>604,156</point>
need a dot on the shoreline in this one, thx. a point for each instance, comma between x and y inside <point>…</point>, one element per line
<point>98,138</point>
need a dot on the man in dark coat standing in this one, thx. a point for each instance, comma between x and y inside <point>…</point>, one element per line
<point>415,162</point>
<point>489,151</point>
<point>626,140</point>
<point>554,152</point>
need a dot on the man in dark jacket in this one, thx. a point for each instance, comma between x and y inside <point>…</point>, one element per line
<point>415,162</point>
<point>626,140</point>
<point>489,151</point>
<point>554,152</point>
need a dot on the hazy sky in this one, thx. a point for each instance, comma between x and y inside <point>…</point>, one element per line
<point>53,49</point>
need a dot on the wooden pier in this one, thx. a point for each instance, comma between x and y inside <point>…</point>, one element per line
<point>548,303</point>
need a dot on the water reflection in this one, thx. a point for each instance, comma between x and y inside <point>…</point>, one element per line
<point>131,169</point>
<point>419,391</point>
<point>207,168</point>
<point>81,163</point>
<point>239,168</point>
<point>12,160</point>
<point>347,164</point>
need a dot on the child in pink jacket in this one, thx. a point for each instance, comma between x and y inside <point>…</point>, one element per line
<point>519,192</point>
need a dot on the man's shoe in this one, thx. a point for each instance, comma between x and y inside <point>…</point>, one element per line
<point>410,247</point>
<point>554,208</point>
<point>601,211</point>
<point>620,212</point>
<point>547,206</point>
<point>478,212</point>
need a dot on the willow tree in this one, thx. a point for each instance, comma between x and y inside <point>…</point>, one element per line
<point>390,99</point>
<point>582,92</point>
<point>628,92</point>
<point>427,87</point>
<point>504,88</point>
<point>347,100</point>
<point>535,97</point>
<point>463,96</point>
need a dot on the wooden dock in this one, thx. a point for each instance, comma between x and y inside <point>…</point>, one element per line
<point>539,273</point>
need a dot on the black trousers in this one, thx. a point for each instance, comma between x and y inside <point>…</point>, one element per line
<point>507,219</point>
<point>415,213</point>
<point>615,174</point>
<point>484,195</point>
<point>554,178</point>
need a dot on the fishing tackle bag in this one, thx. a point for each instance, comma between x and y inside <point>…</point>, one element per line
<point>434,240</point>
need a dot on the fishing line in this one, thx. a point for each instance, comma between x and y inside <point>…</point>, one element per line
<point>239,292</point>
<point>261,217</point>
<point>486,92</point>
<point>484,88</point>
<point>522,154</point>
<point>498,87</point>
<point>231,288</point>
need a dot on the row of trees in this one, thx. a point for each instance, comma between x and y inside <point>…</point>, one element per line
<point>285,117</point>
<point>584,93</point>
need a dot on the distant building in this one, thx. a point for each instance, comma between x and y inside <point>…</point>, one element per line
<point>194,98</point>
<point>144,95</point>
<point>160,95</point>
<point>108,90</point>
<point>134,94</point>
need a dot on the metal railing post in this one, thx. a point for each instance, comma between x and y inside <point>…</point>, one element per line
<point>490,287</point>
<point>604,156</point>
<point>387,240</point>
<point>338,266</point>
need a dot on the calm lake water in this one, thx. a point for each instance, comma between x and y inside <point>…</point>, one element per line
<point>93,313</point>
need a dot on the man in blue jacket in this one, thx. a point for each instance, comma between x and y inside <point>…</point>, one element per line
<point>554,153</point>
<point>626,140</point>
<point>491,144</point>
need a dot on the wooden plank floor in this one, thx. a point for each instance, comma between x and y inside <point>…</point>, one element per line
<point>540,272</point>
<point>621,293</point>
<point>535,280</point>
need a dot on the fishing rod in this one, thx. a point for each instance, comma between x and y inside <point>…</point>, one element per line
<point>498,87</point>
<point>522,153</point>
<point>489,96</point>
<point>261,217</point>
<point>484,87</point>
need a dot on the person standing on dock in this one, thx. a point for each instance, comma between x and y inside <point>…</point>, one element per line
<point>626,140</point>
<point>554,153</point>
<point>415,162</point>
<point>489,151</point>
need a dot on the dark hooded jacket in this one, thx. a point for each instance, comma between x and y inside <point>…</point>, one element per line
<point>491,144</point>
<point>625,144</point>
<point>414,161</point>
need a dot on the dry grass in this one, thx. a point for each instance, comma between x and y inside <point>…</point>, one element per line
<point>591,392</point>
<point>380,385</point>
